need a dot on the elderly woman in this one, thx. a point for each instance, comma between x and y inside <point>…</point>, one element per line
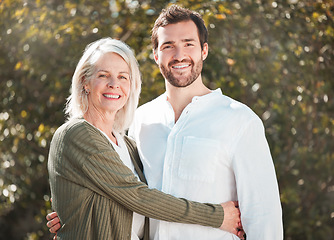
<point>94,167</point>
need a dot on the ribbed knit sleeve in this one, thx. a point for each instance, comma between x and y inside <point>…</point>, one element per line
<point>88,160</point>
<point>180,210</point>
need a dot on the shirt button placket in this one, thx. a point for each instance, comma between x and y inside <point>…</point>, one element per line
<point>169,151</point>
<point>167,165</point>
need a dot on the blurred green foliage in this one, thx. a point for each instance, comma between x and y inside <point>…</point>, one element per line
<point>275,56</point>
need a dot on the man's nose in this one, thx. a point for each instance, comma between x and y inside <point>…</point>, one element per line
<point>179,54</point>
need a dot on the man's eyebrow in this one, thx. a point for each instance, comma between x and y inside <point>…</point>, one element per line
<point>188,40</point>
<point>168,42</point>
<point>183,40</point>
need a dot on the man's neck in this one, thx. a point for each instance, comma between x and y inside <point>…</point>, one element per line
<point>179,98</point>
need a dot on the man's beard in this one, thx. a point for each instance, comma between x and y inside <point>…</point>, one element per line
<point>175,81</point>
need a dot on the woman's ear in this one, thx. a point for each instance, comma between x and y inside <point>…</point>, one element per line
<point>84,83</point>
<point>85,87</point>
<point>86,90</point>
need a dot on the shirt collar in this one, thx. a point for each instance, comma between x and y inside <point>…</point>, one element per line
<point>213,93</point>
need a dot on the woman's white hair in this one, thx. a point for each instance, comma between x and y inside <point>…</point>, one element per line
<point>77,102</point>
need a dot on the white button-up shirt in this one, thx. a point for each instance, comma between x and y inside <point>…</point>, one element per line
<point>215,152</point>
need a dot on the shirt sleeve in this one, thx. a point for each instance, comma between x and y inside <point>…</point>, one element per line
<point>103,172</point>
<point>257,188</point>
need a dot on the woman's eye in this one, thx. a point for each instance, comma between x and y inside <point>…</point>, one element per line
<point>102,76</point>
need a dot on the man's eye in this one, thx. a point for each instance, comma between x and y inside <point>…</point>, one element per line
<point>167,47</point>
<point>102,76</point>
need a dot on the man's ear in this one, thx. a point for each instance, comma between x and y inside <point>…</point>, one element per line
<point>205,51</point>
<point>155,54</point>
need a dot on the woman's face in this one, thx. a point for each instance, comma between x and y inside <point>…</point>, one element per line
<point>109,86</point>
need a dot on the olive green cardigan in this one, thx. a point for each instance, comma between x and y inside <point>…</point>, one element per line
<point>94,193</point>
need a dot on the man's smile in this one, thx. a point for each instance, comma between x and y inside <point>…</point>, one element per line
<point>181,66</point>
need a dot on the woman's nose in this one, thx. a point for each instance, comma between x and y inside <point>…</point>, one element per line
<point>113,83</point>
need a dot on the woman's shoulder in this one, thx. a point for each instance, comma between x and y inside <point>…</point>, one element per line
<point>71,126</point>
<point>80,133</point>
<point>76,129</point>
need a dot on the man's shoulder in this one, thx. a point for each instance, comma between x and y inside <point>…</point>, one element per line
<point>229,105</point>
<point>156,102</point>
<point>233,104</point>
<point>151,106</point>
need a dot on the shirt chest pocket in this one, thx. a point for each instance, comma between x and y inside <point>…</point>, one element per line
<point>199,159</point>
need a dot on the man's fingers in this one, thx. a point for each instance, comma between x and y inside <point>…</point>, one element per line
<point>51,216</point>
<point>55,228</point>
<point>52,222</point>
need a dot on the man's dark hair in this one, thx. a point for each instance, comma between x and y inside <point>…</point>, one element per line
<point>175,14</point>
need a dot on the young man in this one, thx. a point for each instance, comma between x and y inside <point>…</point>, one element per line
<point>200,144</point>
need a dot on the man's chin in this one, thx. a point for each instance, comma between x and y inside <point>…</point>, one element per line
<point>180,83</point>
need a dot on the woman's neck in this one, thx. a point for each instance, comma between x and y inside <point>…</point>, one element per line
<point>104,122</point>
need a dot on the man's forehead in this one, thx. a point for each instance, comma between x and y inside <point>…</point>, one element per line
<point>182,31</point>
<point>178,25</point>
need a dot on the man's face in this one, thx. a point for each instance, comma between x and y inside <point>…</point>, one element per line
<point>179,54</point>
